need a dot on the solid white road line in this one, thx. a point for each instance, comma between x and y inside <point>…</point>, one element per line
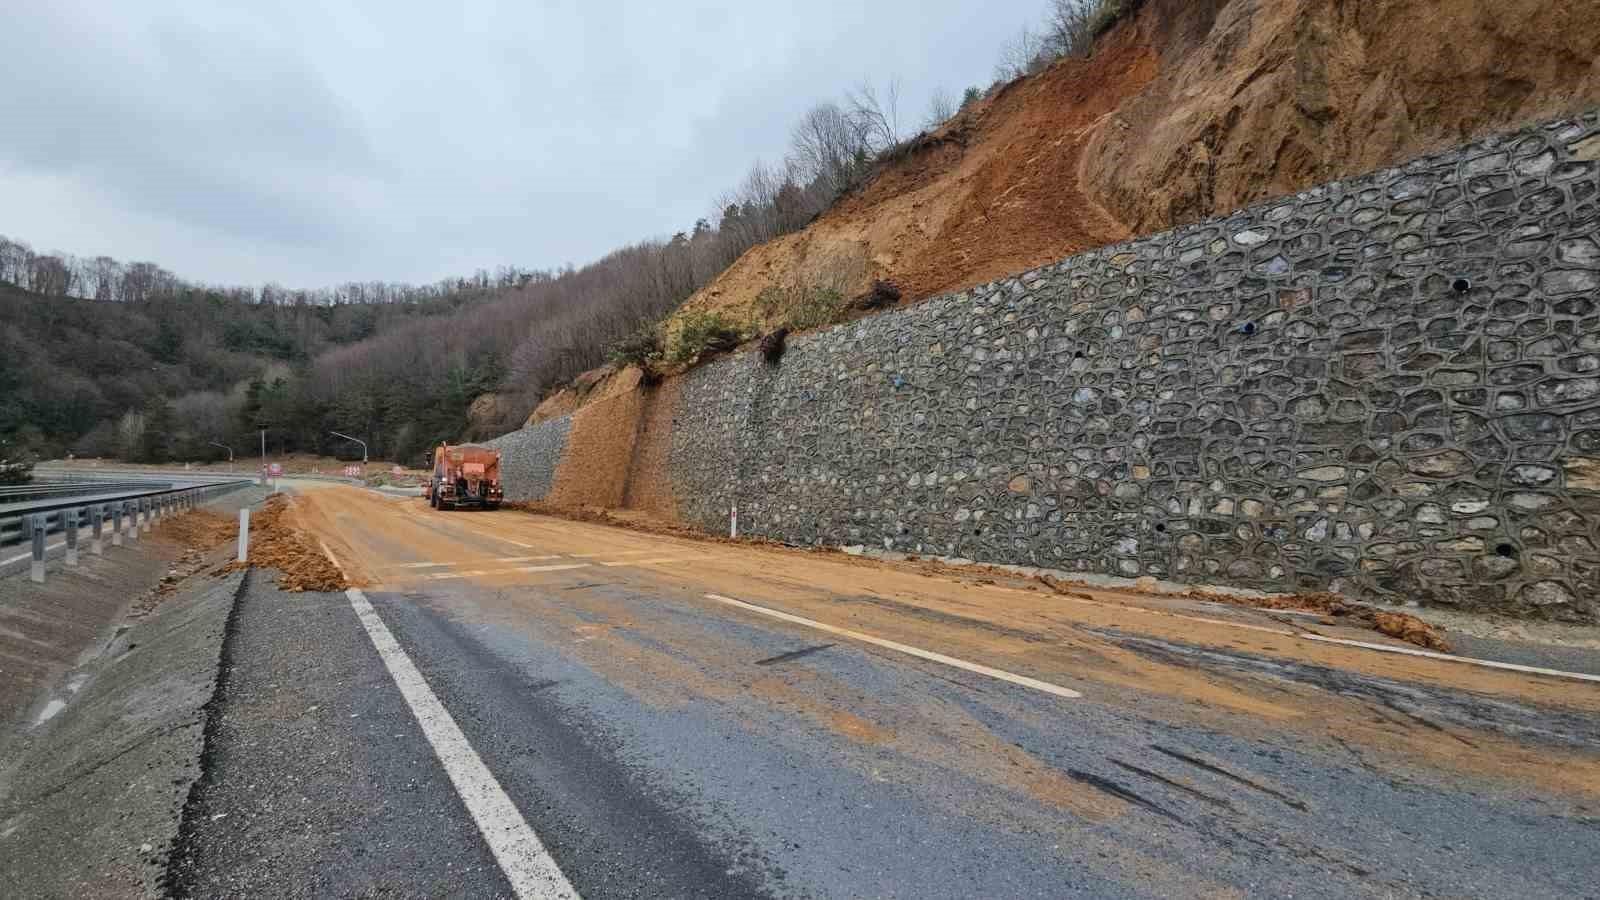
<point>652,562</point>
<point>522,856</point>
<point>1448,657</point>
<point>1001,674</point>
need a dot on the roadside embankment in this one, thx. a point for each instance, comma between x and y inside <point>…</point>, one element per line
<point>108,666</point>
<point>91,797</point>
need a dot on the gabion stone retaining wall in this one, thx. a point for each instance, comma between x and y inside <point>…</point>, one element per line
<point>1388,386</point>
<point>528,458</point>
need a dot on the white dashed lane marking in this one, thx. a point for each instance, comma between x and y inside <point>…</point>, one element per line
<point>898,647</point>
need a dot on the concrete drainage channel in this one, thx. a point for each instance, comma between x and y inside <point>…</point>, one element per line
<point>93,781</point>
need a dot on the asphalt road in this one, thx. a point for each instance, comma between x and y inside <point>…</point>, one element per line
<point>659,740</point>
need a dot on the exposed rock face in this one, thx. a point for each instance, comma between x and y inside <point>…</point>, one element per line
<point>1188,110</point>
<point>1260,98</point>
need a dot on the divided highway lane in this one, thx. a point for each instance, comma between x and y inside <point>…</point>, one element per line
<point>662,741</point>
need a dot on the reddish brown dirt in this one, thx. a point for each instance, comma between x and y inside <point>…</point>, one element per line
<point>194,533</point>
<point>1188,109</point>
<point>994,192</point>
<point>1400,625</point>
<point>599,452</point>
<point>649,487</point>
<point>1079,641</point>
<point>1262,98</point>
<point>278,541</point>
<point>198,529</point>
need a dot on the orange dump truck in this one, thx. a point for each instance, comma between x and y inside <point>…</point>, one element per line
<point>465,475</point>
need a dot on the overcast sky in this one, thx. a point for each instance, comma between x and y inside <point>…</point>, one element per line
<point>312,143</point>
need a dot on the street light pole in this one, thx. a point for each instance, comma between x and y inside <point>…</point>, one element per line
<point>357,440</point>
<point>227,448</point>
<point>263,427</point>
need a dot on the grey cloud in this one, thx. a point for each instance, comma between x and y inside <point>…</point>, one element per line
<point>408,140</point>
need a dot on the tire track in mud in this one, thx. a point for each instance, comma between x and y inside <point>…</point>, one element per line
<point>1420,705</point>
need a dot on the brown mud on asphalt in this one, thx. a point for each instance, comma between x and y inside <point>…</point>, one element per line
<point>279,541</point>
<point>1233,670</point>
<point>664,664</point>
<point>1398,625</point>
<point>1403,626</point>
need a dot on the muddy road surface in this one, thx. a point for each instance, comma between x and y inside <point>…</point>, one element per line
<point>509,704</point>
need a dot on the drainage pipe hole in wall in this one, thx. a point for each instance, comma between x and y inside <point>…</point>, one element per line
<point>1461,285</point>
<point>1505,550</point>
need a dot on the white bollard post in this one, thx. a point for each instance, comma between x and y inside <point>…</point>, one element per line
<point>116,524</point>
<point>733,521</point>
<point>244,533</point>
<point>36,567</point>
<point>69,525</point>
<point>97,524</point>
<point>133,520</point>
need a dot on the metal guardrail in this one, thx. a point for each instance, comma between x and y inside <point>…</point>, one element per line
<point>22,492</point>
<point>121,514</point>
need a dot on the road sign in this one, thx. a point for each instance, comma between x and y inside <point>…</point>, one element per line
<point>397,471</point>
<point>275,470</point>
<point>352,471</point>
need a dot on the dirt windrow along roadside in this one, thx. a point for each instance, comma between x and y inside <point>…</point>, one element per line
<point>277,541</point>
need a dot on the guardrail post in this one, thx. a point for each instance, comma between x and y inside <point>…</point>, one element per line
<point>97,522</point>
<point>244,533</point>
<point>69,526</point>
<point>133,520</point>
<point>116,524</point>
<point>36,525</point>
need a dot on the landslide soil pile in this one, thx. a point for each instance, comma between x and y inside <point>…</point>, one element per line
<point>278,542</point>
<point>1402,626</point>
<point>195,533</point>
<point>1187,109</point>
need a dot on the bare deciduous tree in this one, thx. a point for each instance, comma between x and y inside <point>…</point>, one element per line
<point>941,106</point>
<point>877,118</point>
<point>1071,26</point>
<point>827,147</point>
<point>1026,53</point>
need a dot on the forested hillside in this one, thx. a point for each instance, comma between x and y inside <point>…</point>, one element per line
<point>158,378</point>
<point>160,368</point>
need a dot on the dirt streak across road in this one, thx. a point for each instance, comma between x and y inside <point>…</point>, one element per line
<point>813,723</point>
